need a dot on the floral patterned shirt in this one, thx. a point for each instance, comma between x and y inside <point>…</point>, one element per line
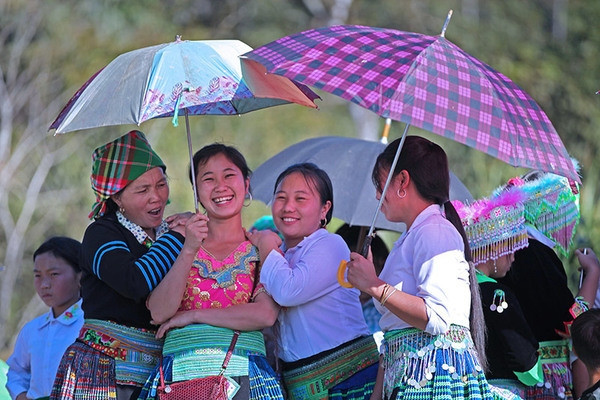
<point>216,283</point>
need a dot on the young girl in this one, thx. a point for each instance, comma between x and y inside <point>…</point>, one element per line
<point>426,290</point>
<point>42,341</point>
<point>217,292</point>
<point>324,342</point>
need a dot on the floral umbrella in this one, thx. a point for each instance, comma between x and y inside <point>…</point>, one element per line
<point>178,78</point>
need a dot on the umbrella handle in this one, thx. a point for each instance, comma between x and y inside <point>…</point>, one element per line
<point>341,272</point>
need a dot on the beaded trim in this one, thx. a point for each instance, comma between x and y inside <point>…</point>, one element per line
<point>551,206</point>
<point>494,227</point>
<point>414,357</point>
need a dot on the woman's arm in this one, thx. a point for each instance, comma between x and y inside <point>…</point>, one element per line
<point>165,299</point>
<point>409,308</point>
<point>310,274</point>
<point>106,254</point>
<point>591,269</point>
<point>259,314</point>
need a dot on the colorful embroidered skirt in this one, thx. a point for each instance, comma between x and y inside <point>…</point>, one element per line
<point>510,389</point>
<point>198,350</point>
<point>105,355</point>
<point>84,374</point>
<point>421,366</point>
<point>346,373</point>
<point>557,373</point>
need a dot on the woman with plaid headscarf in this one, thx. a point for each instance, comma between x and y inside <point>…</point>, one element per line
<point>126,252</point>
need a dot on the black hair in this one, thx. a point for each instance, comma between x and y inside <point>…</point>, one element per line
<point>585,333</point>
<point>427,165</point>
<point>62,247</point>
<point>352,236</point>
<point>318,178</point>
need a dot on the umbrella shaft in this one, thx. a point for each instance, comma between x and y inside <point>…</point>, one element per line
<point>192,167</point>
<point>388,180</point>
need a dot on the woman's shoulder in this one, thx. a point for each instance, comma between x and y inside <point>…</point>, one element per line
<point>103,222</point>
<point>323,236</point>
<point>438,229</point>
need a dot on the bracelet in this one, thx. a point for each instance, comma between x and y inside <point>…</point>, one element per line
<point>388,296</point>
<point>386,287</point>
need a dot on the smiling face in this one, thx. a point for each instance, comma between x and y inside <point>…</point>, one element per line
<point>144,199</point>
<point>297,208</point>
<point>221,187</point>
<point>56,282</point>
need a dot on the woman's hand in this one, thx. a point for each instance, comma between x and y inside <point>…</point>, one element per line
<point>265,241</point>
<point>588,260</point>
<point>179,320</point>
<point>177,221</point>
<point>590,266</point>
<point>196,230</point>
<point>361,274</point>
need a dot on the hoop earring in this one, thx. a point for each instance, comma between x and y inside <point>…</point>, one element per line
<point>323,223</point>
<point>249,198</point>
<point>401,195</point>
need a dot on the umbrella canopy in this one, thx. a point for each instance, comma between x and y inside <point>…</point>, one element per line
<point>182,77</point>
<point>425,81</point>
<point>193,77</point>
<point>349,163</point>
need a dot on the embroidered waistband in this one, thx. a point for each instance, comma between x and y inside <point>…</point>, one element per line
<point>414,357</point>
<point>199,350</point>
<point>313,380</point>
<point>136,351</point>
<point>554,351</point>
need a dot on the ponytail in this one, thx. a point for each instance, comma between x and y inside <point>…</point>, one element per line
<point>476,318</point>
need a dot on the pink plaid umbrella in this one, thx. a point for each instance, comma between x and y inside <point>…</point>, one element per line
<point>425,81</point>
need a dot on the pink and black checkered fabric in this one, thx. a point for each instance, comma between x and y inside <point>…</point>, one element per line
<point>424,81</point>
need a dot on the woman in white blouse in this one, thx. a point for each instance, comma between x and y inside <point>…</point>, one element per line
<point>427,292</point>
<point>323,339</point>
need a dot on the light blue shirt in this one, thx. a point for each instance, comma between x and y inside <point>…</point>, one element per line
<point>317,313</point>
<point>428,261</point>
<point>39,349</point>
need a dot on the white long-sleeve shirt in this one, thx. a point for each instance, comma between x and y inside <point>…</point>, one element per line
<point>317,313</point>
<point>428,261</point>
<point>38,351</point>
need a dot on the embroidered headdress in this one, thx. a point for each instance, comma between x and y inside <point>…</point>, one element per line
<point>494,226</point>
<point>116,164</point>
<point>551,205</point>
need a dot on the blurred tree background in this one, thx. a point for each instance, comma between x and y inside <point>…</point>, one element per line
<point>48,49</point>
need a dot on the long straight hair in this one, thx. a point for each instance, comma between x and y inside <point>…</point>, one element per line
<point>427,165</point>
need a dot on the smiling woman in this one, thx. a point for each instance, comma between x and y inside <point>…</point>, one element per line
<point>126,252</point>
<point>320,360</point>
<point>202,305</point>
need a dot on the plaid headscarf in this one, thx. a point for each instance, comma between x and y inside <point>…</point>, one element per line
<point>116,164</point>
